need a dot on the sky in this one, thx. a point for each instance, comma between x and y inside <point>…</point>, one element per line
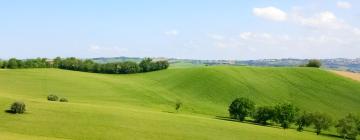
<point>193,29</point>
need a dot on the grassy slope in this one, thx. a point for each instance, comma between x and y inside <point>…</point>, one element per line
<point>134,106</point>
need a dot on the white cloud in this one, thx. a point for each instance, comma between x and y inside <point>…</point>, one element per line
<point>343,4</point>
<point>172,32</point>
<point>270,13</point>
<point>324,19</point>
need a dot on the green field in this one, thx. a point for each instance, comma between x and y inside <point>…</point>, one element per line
<point>141,106</point>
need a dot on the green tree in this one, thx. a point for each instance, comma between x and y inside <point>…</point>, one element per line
<point>18,107</point>
<point>12,63</point>
<point>1,64</point>
<point>146,65</point>
<point>348,127</point>
<point>303,120</point>
<point>285,114</point>
<point>263,114</point>
<point>241,108</point>
<point>321,122</point>
<point>314,63</point>
<point>57,62</point>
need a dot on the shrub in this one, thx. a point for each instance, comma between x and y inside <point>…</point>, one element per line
<point>63,100</point>
<point>263,114</point>
<point>178,105</point>
<point>17,107</point>
<point>314,63</point>
<point>241,108</point>
<point>52,97</point>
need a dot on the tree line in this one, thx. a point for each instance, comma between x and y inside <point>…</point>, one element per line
<point>87,65</point>
<point>286,114</point>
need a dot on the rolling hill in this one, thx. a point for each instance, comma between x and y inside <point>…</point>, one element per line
<point>141,106</point>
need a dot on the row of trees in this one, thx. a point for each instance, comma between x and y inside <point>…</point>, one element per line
<point>87,65</point>
<point>286,114</point>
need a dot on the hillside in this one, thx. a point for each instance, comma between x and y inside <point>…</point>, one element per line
<point>104,106</point>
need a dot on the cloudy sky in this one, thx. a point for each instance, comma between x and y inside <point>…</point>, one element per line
<point>199,29</point>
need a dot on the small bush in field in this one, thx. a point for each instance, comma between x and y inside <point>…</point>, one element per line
<point>17,107</point>
<point>52,97</point>
<point>63,100</point>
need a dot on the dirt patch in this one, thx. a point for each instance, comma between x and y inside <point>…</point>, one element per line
<point>351,75</point>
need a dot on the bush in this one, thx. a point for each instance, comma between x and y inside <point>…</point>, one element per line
<point>63,100</point>
<point>263,114</point>
<point>178,105</point>
<point>241,108</point>
<point>17,107</point>
<point>52,97</point>
<point>314,63</point>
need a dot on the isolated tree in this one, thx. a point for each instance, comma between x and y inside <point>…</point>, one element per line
<point>321,122</point>
<point>348,127</point>
<point>303,120</point>
<point>314,63</point>
<point>178,105</point>
<point>17,107</point>
<point>285,114</point>
<point>241,108</point>
<point>263,114</point>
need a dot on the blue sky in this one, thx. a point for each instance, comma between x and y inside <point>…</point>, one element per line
<point>201,29</point>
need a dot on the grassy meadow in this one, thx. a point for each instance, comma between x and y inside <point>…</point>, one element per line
<point>141,106</point>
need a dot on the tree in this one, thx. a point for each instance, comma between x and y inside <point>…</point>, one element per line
<point>241,108</point>
<point>321,122</point>
<point>1,64</point>
<point>57,62</point>
<point>263,114</point>
<point>12,63</point>
<point>146,65</point>
<point>348,126</point>
<point>303,120</point>
<point>314,63</point>
<point>285,114</point>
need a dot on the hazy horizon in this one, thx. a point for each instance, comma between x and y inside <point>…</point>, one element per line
<point>206,30</point>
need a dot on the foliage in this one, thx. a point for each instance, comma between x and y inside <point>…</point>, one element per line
<point>178,105</point>
<point>87,65</point>
<point>241,108</point>
<point>63,100</point>
<point>285,114</point>
<point>263,114</point>
<point>348,127</point>
<point>52,97</point>
<point>18,107</point>
<point>321,121</point>
<point>314,63</point>
<point>303,120</point>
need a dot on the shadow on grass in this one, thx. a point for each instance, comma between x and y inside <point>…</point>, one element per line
<point>269,125</point>
<point>9,111</point>
<point>245,121</point>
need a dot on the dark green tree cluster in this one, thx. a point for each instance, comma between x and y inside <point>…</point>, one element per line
<point>14,63</point>
<point>314,63</point>
<point>286,114</point>
<point>87,65</point>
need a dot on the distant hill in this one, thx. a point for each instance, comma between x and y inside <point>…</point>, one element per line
<point>336,63</point>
